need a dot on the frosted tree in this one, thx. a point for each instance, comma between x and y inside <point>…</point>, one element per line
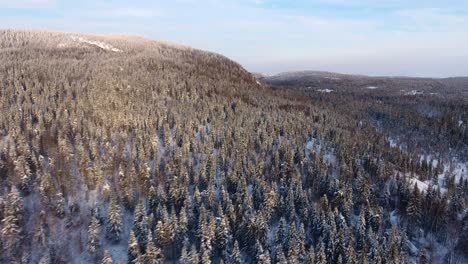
<point>194,256</point>
<point>163,234</point>
<point>222,233</point>
<point>12,230</point>
<point>133,249</point>
<point>321,258</point>
<point>114,222</point>
<point>59,205</point>
<point>140,225</point>
<point>153,254</point>
<point>236,254</point>
<point>107,259</point>
<point>311,256</point>
<point>94,236</point>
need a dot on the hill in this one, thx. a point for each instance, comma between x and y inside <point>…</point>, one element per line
<point>118,149</point>
<point>336,81</point>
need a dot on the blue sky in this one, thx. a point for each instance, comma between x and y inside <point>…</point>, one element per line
<point>395,37</point>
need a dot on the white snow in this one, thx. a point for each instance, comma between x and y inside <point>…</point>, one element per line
<point>99,44</point>
<point>422,186</point>
<point>413,92</point>
<point>324,90</point>
<point>460,123</point>
<point>392,142</point>
<point>372,87</point>
<point>258,82</point>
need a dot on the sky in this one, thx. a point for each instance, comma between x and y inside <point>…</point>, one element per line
<point>373,37</point>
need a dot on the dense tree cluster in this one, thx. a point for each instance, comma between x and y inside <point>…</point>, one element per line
<point>161,153</point>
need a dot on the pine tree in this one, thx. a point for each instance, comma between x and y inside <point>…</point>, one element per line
<point>107,259</point>
<point>183,223</point>
<point>321,258</point>
<point>185,255</point>
<point>194,256</point>
<point>94,236</point>
<point>153,254</point>
<point>222,233</point>
<point>301,244</point>
<point>263,257</point>
<point>361,231</point>
<point>311,256</point>
<point>140,225</point>
<point>236,254</point>
<point>114,223</point>
<point>12,222</point>
<point>163,234</point>
<point>282,234</point>
<point>24,174</point>
<point>280,257</point>
<point>59,205</point>
<point>133,249</point>
<point>413,210</point>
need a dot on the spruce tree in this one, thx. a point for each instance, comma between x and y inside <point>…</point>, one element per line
<point>107,259</point>
<point>114,222</point>
<point>12,231</point>
<point>94,236</point>
<point>133,249</point>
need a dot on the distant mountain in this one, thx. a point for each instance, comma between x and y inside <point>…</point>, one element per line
<point>330,80</point>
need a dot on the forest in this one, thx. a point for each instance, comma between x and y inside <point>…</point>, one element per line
<point>119,149</point>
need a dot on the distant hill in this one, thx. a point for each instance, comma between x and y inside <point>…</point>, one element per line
<point>330,80</point>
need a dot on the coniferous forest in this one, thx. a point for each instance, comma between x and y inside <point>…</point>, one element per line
<point>118,149</point>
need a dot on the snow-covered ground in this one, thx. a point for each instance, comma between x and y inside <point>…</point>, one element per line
<point>372,87</point>
<point>324,90</point>
<point>412,92</point>
<point>100,44</point>
<point>457,169</point>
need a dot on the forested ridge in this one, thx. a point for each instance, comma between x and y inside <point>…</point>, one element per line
<point>117,149</point>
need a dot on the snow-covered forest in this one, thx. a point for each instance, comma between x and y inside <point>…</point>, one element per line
<point>117,149</point>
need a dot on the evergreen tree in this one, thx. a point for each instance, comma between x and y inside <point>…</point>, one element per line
<point>12,230</point>
<point>321,258</point>
<point>94,236</point>
<point>236,254</point>
<point>222,233</point>
<point>311,256</point>
<point>114,222</point>
<point>140,225</point>
<point>59,205</point>
<point>194,256</point>
<point>133,249</point>
<point>153,254</point>
<point>107,259</point>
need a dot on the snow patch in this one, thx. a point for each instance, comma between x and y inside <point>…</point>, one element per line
<point>413,92</point>
<point>99,44</point>
<point>324,90</point>
<point>422,186</point>
<point>372,87</point>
